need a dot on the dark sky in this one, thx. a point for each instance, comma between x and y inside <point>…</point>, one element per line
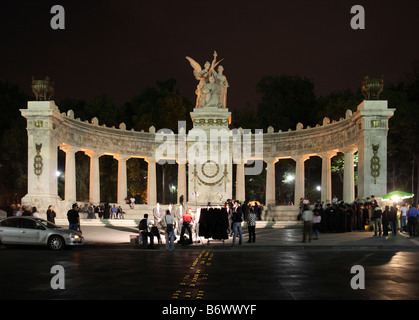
<point>120,47</point>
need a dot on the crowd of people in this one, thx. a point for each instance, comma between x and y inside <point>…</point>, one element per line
<point>359,215</point>
<point>177,222</point>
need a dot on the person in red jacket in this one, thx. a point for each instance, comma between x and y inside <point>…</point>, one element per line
<point>187,220</point>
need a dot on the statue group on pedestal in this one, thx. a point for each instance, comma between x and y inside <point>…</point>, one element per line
<point>212,88</point>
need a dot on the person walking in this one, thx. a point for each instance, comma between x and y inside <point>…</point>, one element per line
<point>73,217</point>
<point>403,218</point>
<point>393,218</point>
<point>237,224</point>
<point>317,218</point>
<point>251,225</point>
<point>307,217</point>
<point>377,216</point>
<point>170,231</point>
<point>51,214</point>
<point>386,220</point>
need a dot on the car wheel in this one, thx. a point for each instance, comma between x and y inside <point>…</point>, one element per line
<point>56,243</point>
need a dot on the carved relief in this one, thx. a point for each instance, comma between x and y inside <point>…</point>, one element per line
<point>375,163</point>
<point>37,161</point>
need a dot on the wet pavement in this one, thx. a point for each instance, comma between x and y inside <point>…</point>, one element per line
<point>117,233</point>
<point>278,266</point>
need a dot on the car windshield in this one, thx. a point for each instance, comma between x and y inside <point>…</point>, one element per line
<point>47,224</point>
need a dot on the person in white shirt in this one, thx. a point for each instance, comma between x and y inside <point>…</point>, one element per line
<point>307,217</point>
<point>403,218</point>
<point>144,228</point>
<point>35,212</point>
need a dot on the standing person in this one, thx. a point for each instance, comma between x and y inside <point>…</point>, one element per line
<point>74,218</point>
<point>144,229</point>
<point>317,218</point>
<point>386,220</point>
<point>51,214</point>
<point>229,208</point>
<point>120,213</point>
<point>251,225</point>
<point>170,231</point>
<point>393,218</point>
<point>91,211</point>
<point>186,224</point>
<point>307,217</point>
<point>114,212</point>
<point>403,218</point>
<point>179,218</point>
<point>377,215</point>
<point>237,223</point>
<point>35,212</point>
<point>158,215</point>
<point>412,219</point>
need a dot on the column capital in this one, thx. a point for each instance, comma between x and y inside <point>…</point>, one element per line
<point>150,159</point>
<point>351,150</point>
<point>300,157</point>
<point>268,160</point>
<point>68,148</point>
<point>327,154</point>
<point>92,153</point>
<point>121,157</point>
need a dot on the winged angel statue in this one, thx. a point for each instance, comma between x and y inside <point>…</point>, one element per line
<point>212,88</point>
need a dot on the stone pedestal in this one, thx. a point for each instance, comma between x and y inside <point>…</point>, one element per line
<point>42,122</point>
<point>372,148</point>
<point>210,161</point>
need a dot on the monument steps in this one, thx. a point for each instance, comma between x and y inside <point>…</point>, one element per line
<point>133,223</point>
<point>272,217</point>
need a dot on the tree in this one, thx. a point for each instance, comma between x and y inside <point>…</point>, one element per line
<point>13,143</point>
<point>285,101</point>
<point>161,107</point>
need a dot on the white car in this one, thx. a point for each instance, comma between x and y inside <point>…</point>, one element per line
<point>35,231</point>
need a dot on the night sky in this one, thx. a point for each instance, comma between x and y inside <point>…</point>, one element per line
<point>120,47</point>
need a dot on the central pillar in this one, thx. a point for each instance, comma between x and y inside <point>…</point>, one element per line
<point>181,182</point>
<point>210,160</point>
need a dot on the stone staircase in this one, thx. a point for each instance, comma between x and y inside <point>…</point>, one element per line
<point>272,217</point>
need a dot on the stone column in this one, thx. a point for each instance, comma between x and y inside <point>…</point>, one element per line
<point>122,178</point>
<point>326,185</point>
<point>94,192</point>
<point>43,117</point>
<point>372,120</point>
<point>70,173</point>
<point>151,182</point>
<point>240,182</point>
<point>349,176</point>
<point>299,178</point>
<point>270,181</point>
<point>181,182</point>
